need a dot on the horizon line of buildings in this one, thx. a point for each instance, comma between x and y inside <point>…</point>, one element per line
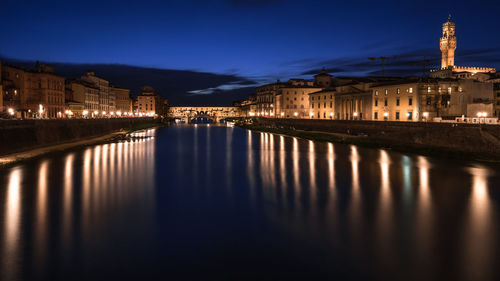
<point>463,94</point>
<point>40,93</point>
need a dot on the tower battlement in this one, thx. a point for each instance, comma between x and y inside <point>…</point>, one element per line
<point>448,44</point>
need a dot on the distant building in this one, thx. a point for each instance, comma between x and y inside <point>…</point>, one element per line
<point>85,93</point>
<point>151,103</point>
<point>123,102</point>
<point>426,99</point>
<point>266,98</point>
<point>293,99</point>
<point>106,101</point>
<point>353,101</point>
<point>322,104</point>
<point>38,93</point>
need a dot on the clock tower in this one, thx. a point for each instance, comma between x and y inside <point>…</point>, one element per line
<point>448,44</point>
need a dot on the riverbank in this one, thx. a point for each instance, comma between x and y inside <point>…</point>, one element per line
<point>474,145</point>
<point>31,153</point>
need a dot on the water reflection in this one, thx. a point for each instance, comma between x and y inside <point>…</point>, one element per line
<point>12,224</point>
<point>41,215</point>
<point>218,193</point>
<point>480,235</point>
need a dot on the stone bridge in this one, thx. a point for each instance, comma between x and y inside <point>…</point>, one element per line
<point>216,113</point>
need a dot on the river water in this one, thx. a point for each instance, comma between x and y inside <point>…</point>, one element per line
<point>197,202</point>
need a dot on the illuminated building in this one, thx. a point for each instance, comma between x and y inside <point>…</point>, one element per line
<point>293,99</point>
<point>36,93</point>
<point>151,103</point>
<point>106,101</point>
<point>123,101</point>
<point>448,45</point>
<point>82,92</point>
<point>266,99</point>
<point>426,99</point>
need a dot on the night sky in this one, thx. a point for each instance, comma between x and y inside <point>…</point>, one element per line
<point>255,40</point>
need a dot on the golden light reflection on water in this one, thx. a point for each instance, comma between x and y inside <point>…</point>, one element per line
<point>480,236</point>
<point>296,171</point>
<point>385,202</point>
<point>331,166</point>
<point>67,213</point>
<point>12,220</point>
<point>41,219</point>
<point>312,173</point>
<point>283,174</point>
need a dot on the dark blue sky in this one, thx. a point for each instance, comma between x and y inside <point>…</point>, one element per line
<point>254,39</point>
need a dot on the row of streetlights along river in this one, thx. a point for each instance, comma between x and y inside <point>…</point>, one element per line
<point>94,114</point>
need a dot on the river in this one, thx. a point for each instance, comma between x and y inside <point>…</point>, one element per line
<point>197,202</point>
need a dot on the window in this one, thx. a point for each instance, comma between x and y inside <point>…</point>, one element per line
<point>324,114</point>
<point>312,98</point>
<point>398,91</point>
<point>397,115</point>
<point>428,89</point>
<point>375,115</point>
<point>376,93</point>
<point>410,101</point>
<point>324,97</point>
<point>376,102</point>
<point>312,105</point>
<point>397,102</point>
<point>331,103</point>
<point>385,102</point>
<point>410,90</point>
<point>429,101</point>
<point>386,92</point>
<point>324,105</point>
<point>409,115</point>
<point>449,90</point>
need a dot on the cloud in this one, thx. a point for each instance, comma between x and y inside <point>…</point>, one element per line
<point>224,88</point>
<point>400,64</point>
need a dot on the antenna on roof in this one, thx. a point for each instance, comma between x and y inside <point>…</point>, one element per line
<point>383,59</point>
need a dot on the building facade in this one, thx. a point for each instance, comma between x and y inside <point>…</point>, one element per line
<point>106,104</point>
<point>353,101</point>
<point>38,93</point>
<point>322,104</point>
<point>151,103</point>
<point>293,100</point>
<point>123,103</point>
<point>85,93</point>
<point>427,99</point>
<point>266,99</point>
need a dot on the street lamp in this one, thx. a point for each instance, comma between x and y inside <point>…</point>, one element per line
<point>40,109</point>
<point>11,111</point>
<point>295,114</point>
<point>355,114</point>
<point>386,114</point>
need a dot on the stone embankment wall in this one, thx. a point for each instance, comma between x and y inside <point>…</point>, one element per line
<point>21,135</point>
<point>468,138</point>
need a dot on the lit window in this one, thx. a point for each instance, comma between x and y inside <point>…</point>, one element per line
<point>428,89</point>
<point>411,90</point>
<point>398,91</point>
<point>386,92</point>
<point>376,93</point>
